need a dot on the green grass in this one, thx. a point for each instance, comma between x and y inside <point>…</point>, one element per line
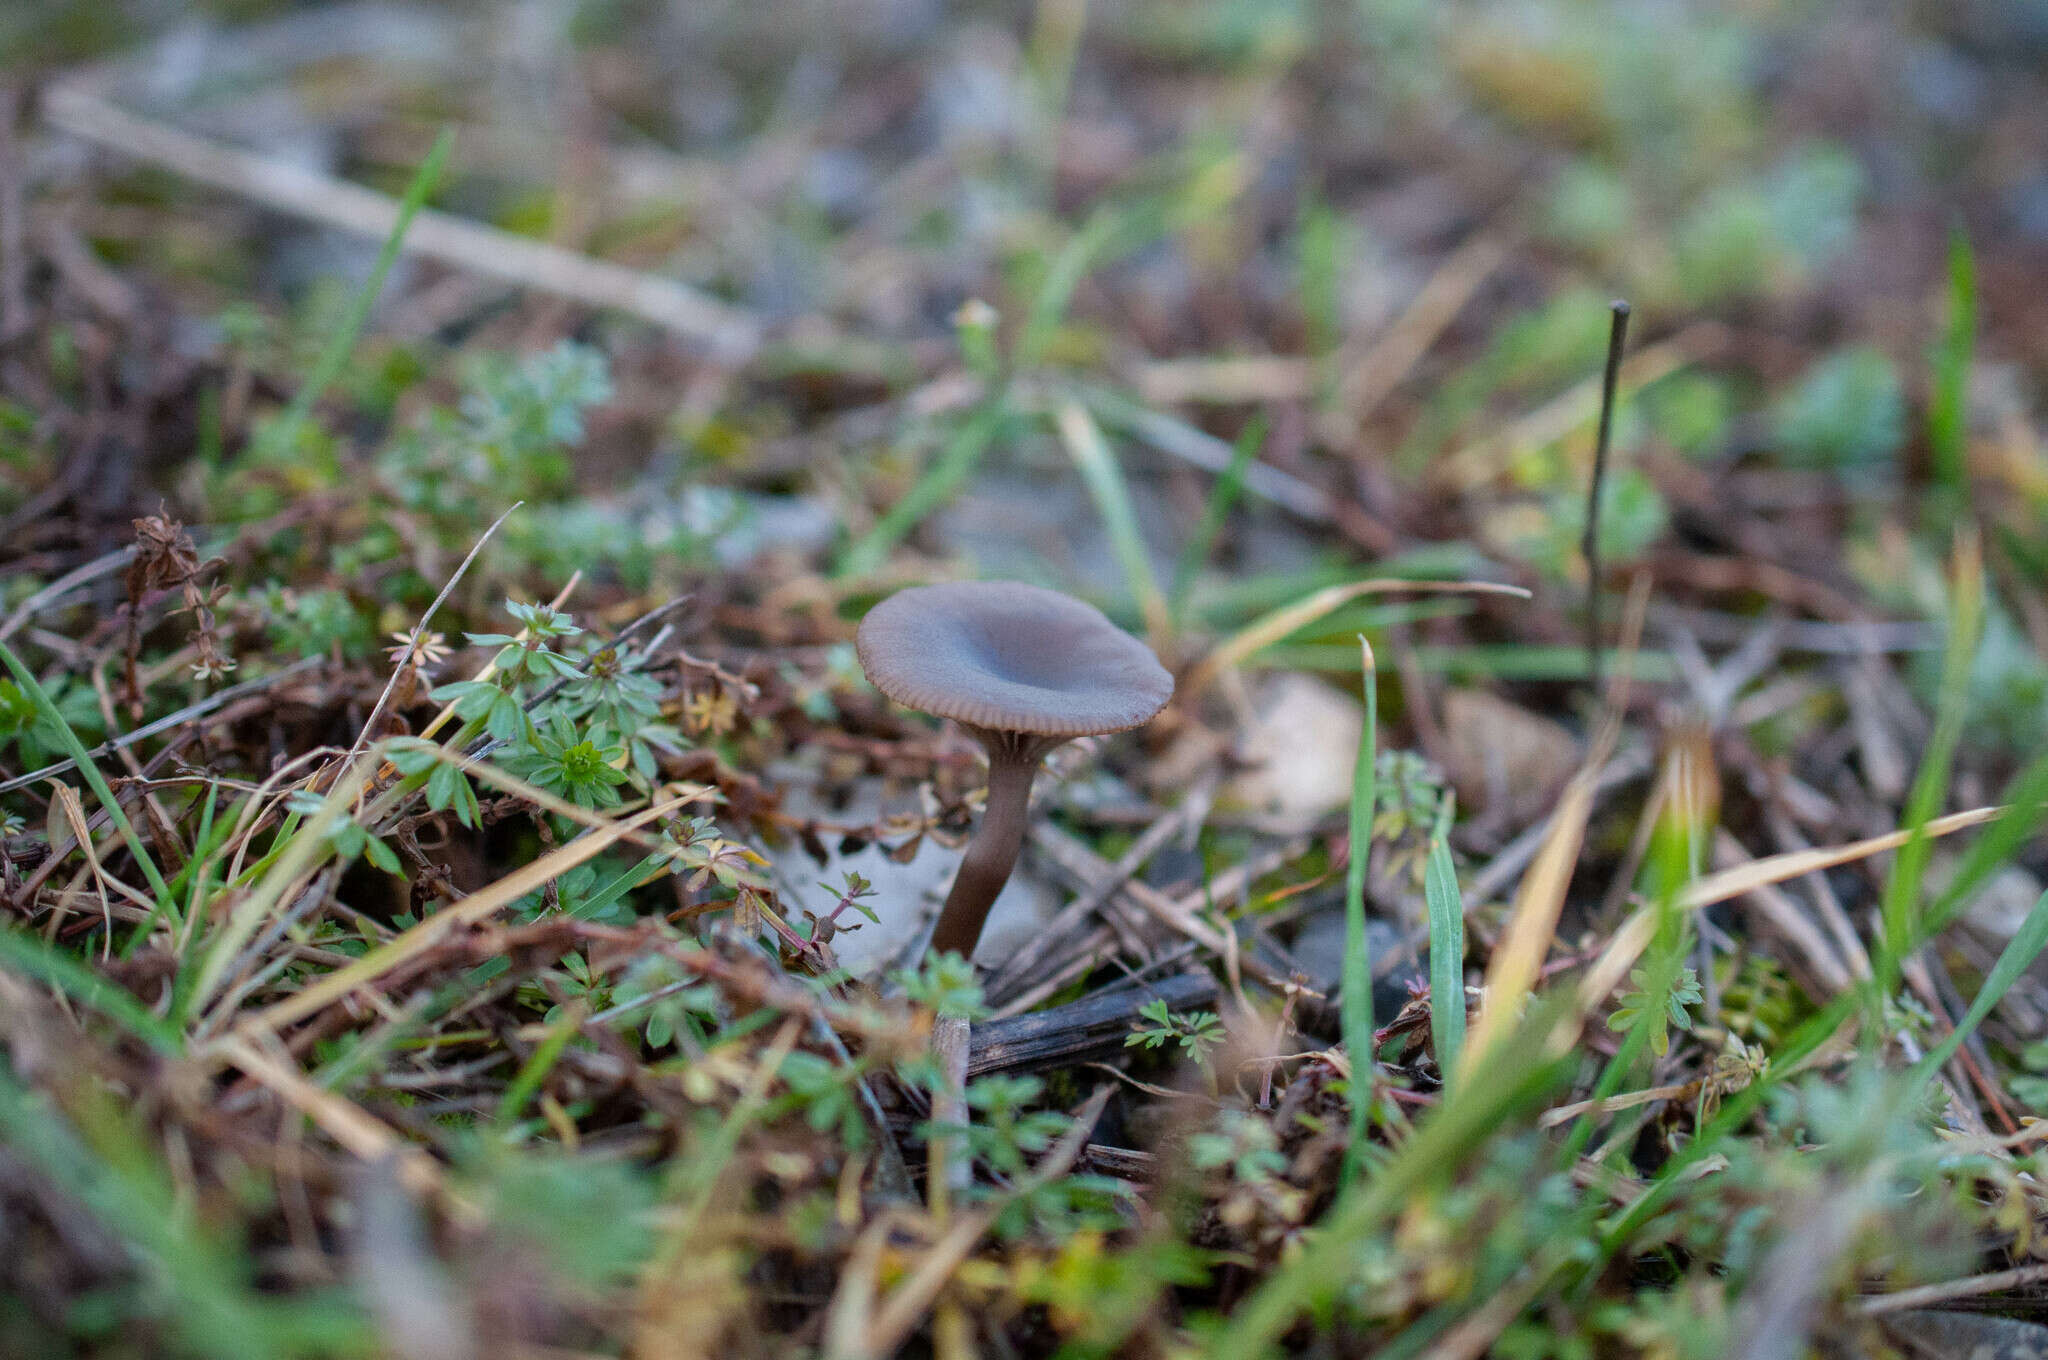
<point>1357,973</point>
<point>1948,407</point>
<point>342,343</point>
<point>1446,947</point>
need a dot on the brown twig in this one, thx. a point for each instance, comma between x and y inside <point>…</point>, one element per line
<point>75,106</point>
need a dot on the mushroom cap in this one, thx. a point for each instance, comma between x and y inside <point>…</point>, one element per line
<point>1008,657</point>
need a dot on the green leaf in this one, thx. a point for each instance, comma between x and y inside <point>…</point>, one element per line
<point>448,789</point>
<point>382,856</point>
<point>1446,948</point>
<point>2020,951</point>
<point>1355,1012</point>
<point>1948,403</point>
<point>505,719</point>
<point>1847,412</point>
<point>343,343</point>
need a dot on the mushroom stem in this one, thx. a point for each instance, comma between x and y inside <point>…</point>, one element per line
<point>993,851</point>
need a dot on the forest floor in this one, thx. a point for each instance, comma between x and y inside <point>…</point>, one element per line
<point>459,894</point>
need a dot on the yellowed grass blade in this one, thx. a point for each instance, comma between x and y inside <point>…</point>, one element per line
<point>1719,887</point>
<point>1512,973</point>
<point>1564,1114</point>
<point>1516,965</point>
<point>66,807</point>
<point>484,771</point>
<point>1634,937</point>
<point>1271,628</point>
<point>1614,962</point>
<point>1393,354</point>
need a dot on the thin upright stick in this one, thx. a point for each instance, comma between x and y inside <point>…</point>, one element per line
<point>1617,337</point>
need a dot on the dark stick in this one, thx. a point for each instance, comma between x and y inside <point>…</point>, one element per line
<point>1616,338</point>
<point>1093,1027</point>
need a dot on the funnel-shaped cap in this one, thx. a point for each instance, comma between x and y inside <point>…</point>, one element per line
<point>1008,657</point>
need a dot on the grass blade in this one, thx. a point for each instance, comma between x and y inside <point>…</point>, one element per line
<point>2026,807</point>
<point>478,906</point>
<point>526,1084</point>
<point>1446,947</point>
<point>1515,1077</point>
<point>1901,903</point>
<point>1215,510</point>
<point>305,848</point>
<point>622,883</point>
<point>1079,256</point>
<point>2019,951</point>
<point>1357,1017</point>
<point>955,463</point>
<point>1517,960</point>
<point>47,710</point>
<point>1728,884</point>
<point>89,1151</point>
<point>343,342</point>
<point>1733,1114</point>
<point>1270,628</point>
<point>1318,258</point>
<point>1105,481</point>
<point>1948,405</point>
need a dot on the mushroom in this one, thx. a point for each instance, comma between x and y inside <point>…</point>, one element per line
<point>1023,669</point>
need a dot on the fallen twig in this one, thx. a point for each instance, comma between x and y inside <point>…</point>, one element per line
<point>76,105</point>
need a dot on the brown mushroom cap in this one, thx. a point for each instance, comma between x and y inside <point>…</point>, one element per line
<point>1008,657</point>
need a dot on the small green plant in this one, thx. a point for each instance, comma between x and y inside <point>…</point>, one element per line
<point>2030,1088</point>
<point>583,727</point>
<point>1244,1146</point>
<point>1009,1134</point>
<point>507,432</point>
<point>826,1092</point>
<point>581,893</point>
<point>1410,792</point>
<point>1847,412</point>
<point>1690,410</point>
<point>591,1219</point>
<point>611,692</point>
<point>945,984</point>
<point>576,980</point>
<point>696,845</point>
<point>1198,1033</point>
<point>1637,1007</point>
<point>852,894</point>
<point>1242,1151</point>
<point>447,788</point>
<point>1633,516</point>
<point>581,766</point>
<point>665,1002</point>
